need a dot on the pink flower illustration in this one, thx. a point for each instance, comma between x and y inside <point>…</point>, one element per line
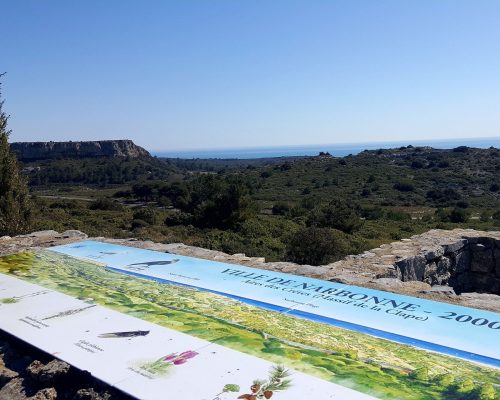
<point>188,354</point>
<point>162,365</point>
<point>170,357</point>
<point>178,359</point>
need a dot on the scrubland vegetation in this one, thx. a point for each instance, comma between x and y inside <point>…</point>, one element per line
<point>311,210</point>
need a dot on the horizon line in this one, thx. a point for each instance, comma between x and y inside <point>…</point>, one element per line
<point>313,145</point>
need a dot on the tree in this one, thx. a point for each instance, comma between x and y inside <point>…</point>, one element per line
<point>421,374</point>
<point>15,208</point>
<point>445,379</point>
<point>147,214</point>
<point>458,215</point>
<point>486,392</point>
<point>226,208</point>
<point>315,246</point>
<point>281,208</point>
<point>404,186</point>
<point>337,214</point>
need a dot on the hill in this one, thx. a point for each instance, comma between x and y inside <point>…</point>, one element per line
<point>310,210</point>
<point>29,151</point>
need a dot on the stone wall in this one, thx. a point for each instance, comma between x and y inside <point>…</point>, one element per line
<point>453,266</point>
<point>471,264</point>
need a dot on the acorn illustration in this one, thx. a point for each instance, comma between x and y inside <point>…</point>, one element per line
<point>248,397</point>
<point>268,394</point>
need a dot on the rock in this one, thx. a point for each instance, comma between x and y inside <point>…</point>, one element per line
<point>481,258</point>
<point>13,390</point>
<point>483,283</point>
<point>42,234</point>
<point>454,247</point>
<point>34,368</point>
<point>430,273</point>
<point>310,270</point>
<point>74,234</point>
<point>5,238</point>
<point>367,254</point>
<point>497,262</point>
<point>412,268</point>
<point>443,268</point>
<point>461,261</point>
<point>45,394</point>
<point>431,254</point>
<point>412,287</point>
<point>485,240</point>
<point>387,283</point>
<point>481,300</point>
<point>90,394</point>
<point>48,373</point>
<point>441,290</point>
<point>6,374</point>
<point>349,279</point>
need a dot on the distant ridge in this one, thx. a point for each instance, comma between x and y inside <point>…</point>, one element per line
<point>30,151</point>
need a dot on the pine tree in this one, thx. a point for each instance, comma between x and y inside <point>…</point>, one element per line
<point>15,209</point>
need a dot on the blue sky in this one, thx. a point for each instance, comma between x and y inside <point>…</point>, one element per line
<point>217,74</point>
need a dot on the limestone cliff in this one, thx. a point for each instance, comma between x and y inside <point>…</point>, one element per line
<point>30,151</point>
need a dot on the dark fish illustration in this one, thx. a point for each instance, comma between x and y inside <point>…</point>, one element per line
<point>146,264</point>
<point>68,312</point>
<point>123,334</point>
<point>151,263</point>
<point>107,253</point>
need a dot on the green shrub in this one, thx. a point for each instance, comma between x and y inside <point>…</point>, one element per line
<point>458,215</point>
<point>147,214</point>
<point>404,186</point>
<point>281,208</point>
<point>139,223</point>
<point>337,214</point>
<point>178,218</point>
<point>106,205</point>
<point>315,246</point>
<point>393,215</point>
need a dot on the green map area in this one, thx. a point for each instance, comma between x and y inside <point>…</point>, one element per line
<point>367,364</point>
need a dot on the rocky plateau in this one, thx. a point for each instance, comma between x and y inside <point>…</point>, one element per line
<point>32,151</point>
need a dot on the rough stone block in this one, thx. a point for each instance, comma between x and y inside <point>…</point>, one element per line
<point>72,233</point>
<point>461,261</point>
<point>497,262</point>
<point>444,270</point>
<point>432,254</point>
<point>412,268</point>
<point>481,282</point>
<point>430,273</point>
<point>455,246</point>
<point>50,372</point>
<point>442,290</point>
<point>482,258</point>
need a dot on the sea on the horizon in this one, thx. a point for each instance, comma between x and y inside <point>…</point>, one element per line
<point>338,150</point>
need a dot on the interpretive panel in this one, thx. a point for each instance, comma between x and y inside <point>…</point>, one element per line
<point>132,354</point>
<point>428,324</point>
<point>151,323</point>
